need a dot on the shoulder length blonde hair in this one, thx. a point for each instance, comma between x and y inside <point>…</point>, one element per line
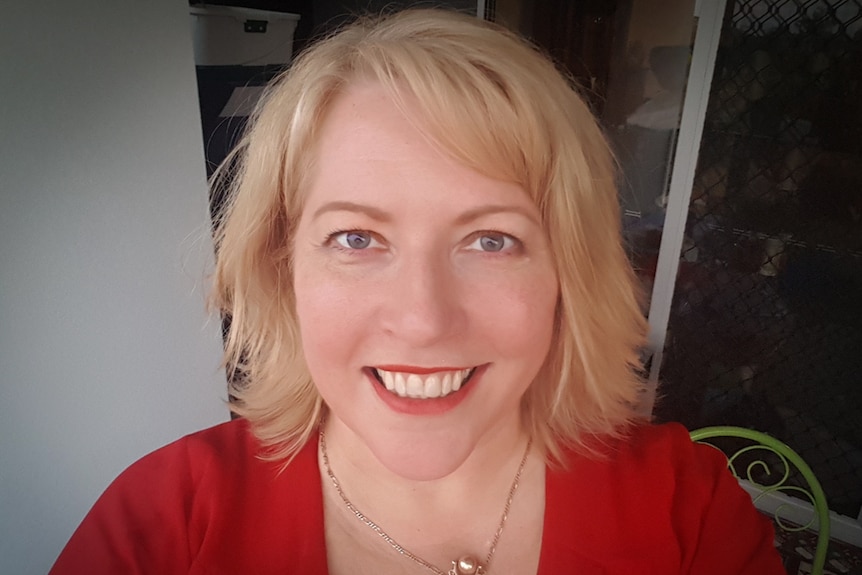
<point>498,106</point>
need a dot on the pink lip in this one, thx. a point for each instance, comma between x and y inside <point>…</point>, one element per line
<point>438,406</point>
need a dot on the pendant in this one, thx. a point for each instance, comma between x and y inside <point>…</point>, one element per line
<point>466,565</point>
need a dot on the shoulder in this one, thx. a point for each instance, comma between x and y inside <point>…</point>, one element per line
<point>211,454</point>
<point>200,502</point>
<point>661,458</point>
<point>223,447</point>
<point>230,439</point>
<point>213,472</point>
<point>666,438</point>
<point>643,449</point>
<point>654,469</point>
<point>671,503</point>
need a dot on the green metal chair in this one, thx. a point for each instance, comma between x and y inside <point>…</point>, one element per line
<point>748,465</point>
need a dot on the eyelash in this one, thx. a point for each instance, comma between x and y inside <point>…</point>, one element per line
<point>517,245</point>
<point>331,241</point>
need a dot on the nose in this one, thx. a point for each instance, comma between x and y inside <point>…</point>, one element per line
<point>424,303</point>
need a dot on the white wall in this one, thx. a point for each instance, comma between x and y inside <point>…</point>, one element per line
<point>105,349</point>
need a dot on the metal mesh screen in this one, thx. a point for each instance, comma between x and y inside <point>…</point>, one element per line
<point>766,326</point>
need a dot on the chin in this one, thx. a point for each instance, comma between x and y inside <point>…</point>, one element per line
<point>421,456</point>
<point>422,464</point>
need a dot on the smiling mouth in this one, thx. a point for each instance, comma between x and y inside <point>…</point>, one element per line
<point>423,386</point>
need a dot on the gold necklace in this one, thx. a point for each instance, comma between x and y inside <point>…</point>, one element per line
<point>466,565</point>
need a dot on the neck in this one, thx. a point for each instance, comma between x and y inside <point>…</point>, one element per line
<point>492,462</point>
<point>437,519</point>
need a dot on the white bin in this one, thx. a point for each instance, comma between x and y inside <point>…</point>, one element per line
<point>230,36</point>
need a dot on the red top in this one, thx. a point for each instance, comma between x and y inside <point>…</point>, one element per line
<point>658,504</point>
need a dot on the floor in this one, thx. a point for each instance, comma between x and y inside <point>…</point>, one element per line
<point>797,549</point>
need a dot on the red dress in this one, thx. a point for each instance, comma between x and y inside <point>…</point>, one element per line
<point>658,504</point>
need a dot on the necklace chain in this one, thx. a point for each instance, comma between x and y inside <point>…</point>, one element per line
<point>481,569</point>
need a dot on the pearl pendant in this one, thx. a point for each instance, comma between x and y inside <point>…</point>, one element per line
<point>466,565</point>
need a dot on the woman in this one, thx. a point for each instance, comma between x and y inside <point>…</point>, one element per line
<point>435,334</point>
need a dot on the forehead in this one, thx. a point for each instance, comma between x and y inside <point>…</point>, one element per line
<point>371,145</point>
<point>365,125</point>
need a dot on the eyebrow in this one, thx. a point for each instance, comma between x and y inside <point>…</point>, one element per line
<point>342,206</point>
<point>383,216</point>
<point>476,213</point>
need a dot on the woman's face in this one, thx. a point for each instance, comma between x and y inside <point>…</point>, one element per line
<point>425,291</point>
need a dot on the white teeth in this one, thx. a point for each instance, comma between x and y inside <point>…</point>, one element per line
<point>446,384</point>
<point>417,386</point>
<point>400,385</point>
<point>458,377</point>
<point>432,386</point>
<point>388,380</point>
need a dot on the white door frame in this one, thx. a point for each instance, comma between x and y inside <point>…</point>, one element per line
<point>708,15</point>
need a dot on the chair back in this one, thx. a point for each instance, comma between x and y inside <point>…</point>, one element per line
<point>769,469</point>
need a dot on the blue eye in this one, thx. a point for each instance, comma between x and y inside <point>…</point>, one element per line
<point>493,242</point>
<point>354,240</point>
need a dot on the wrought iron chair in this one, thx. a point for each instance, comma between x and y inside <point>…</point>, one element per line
<point>758,463</point>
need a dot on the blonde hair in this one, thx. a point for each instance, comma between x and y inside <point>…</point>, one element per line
<point>498,106</point>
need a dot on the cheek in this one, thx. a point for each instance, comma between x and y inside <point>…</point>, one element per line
<point>332,315</point>
<point>519,317</point>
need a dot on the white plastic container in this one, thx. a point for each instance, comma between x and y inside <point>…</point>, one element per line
<point>230,36</point>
